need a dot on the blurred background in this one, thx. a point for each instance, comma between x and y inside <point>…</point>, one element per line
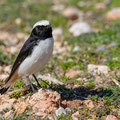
<point>86,49</point>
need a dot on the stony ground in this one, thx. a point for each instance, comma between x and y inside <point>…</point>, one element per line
<point>82,79</point>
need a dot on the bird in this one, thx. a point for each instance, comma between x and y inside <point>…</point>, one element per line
<point>33,56</point>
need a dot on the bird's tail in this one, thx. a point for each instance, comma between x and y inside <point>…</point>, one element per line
<point>5,87</point>
<point>8,83</point>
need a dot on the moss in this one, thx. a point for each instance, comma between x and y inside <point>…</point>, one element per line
<point>18,94</point>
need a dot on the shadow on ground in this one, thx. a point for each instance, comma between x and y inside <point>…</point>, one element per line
<point>80,92</point>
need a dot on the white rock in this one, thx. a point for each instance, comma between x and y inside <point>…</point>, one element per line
<point>101,48</point>
<point>111,117</point>
<point>18,21</point>
<point>58,7</point>
<point>9,114</point>
<point>113,14</point>
<point>100,69</point>
<point>80,28</point>
<point>76,48</point>
<point>3,76</point>
<point>5,106</point>
<point>57,33</point>
<point>71,13</point>
<point>68,110</point>
<point>60,111</point>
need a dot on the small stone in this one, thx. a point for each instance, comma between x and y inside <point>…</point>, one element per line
<point>111,117</point>
<point>7,69</point>
<point>89,104</point>
<point>57,33</point>
<point>9,114</point>
<point>101,48</point>
<point>100,69</point>
<point>18,21</point>
<point>10,43</point>
<point>71,13</point>
<point>11,101</point>
<point>58,7</point>
<point>3,76</point>
<point>68,110</point>
<point>5,106</point>
<point>13,49</point>
<point>80,28</point>
<point>82,4</point>
<point>100,6</point>
<point>44,101</point>
<point>20,35</point>
<point>113,14</point>
<point>20,107</point>
<point>75,115</point>
<point>76,48</point>
<point>60,111</point>
<point>72,73</point>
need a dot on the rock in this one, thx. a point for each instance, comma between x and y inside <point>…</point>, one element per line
<point>18,21</point>
<point>58,7</point>
<point>100,69</point>
<point>113,14</point>
<point>76,48</point>
<point>75,115</point>
<point>84,3</point>
<point>81,4</point>
<point>7,69</point>
<point>68,110</point>
<point>20,35</point>
<point>11,101</point>
<point>20,107</point>
<point>71,13</point>
<point>80,28</point>
<point>72,73</point>
<point>60,111</point>
<point>44,101</point>
<point>3,76</point>
<point>57,33</point>
<point>10,43</point>
<point>9,114</point>
<point>89,104</point>
<point>101,48</point>
<point>111,117</point>
<point>13,49</point>
<point>100,6</point>
<point>5,106</point>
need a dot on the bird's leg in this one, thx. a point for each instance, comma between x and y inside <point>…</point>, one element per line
<point>27,77</point>
<point>36,80</point>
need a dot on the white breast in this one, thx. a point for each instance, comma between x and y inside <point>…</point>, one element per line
<point>37,60</point>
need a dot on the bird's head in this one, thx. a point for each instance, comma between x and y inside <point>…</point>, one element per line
<point>43,29</point>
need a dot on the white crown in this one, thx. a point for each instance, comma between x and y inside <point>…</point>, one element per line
<point>41,23</point>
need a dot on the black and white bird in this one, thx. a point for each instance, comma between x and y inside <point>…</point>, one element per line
<point>34,54</point>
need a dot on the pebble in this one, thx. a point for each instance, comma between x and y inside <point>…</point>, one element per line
<point>57,33</point>
<point>80,28</point>
<point>113,14</point>
<point>60,111</point>
<point>5,106</point>
<point>58,7</point>
<point>68,110</point>
<point>71,13</point>
<point>101,48</point>
<point>76,48</point>
<point>18,21</point>
<point>100,69</point>
<point>111,117</point>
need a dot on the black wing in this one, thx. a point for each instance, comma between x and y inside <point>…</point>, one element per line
<point>25,51</point>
